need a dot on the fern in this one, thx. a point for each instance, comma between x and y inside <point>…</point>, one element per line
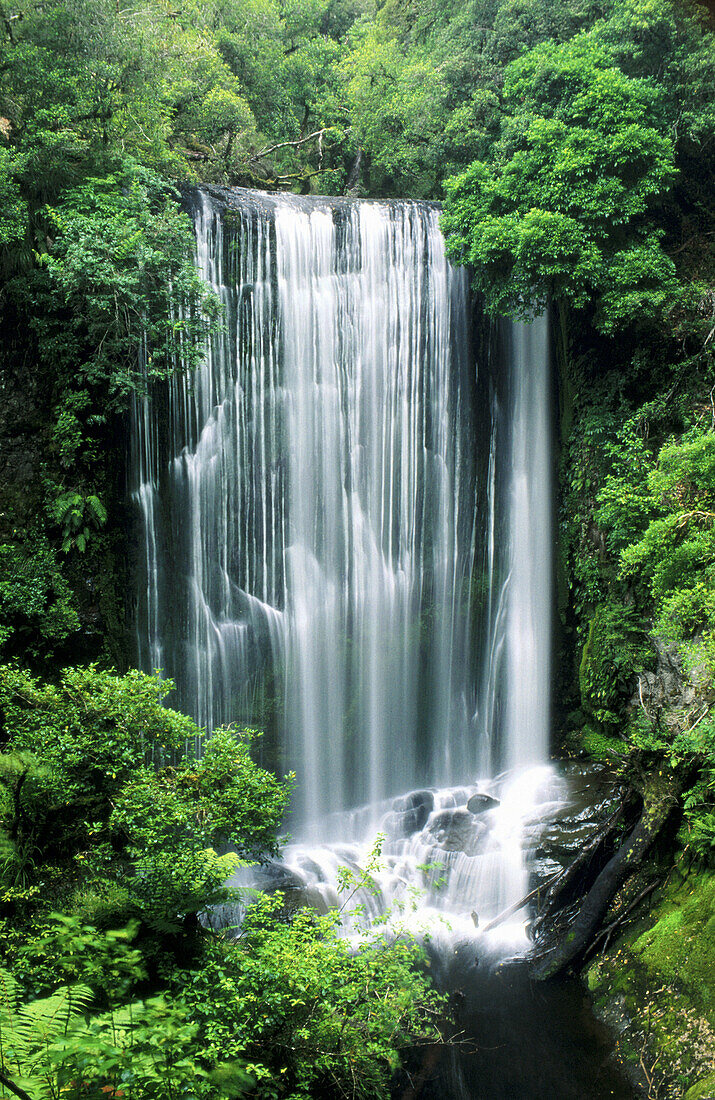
<point>29,1034</point>
<point>97,510</point>
<point>78,516</point>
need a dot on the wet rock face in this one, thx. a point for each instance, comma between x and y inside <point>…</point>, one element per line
<point>457,831</point>
<point>594,794</point>
<point>409,815</point>
<point>669,687</point>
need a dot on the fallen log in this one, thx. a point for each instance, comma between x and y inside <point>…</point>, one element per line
<point>606,933</point>
<point>660,797</point>
<point>510,910</point>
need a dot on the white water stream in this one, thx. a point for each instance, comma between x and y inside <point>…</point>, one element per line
<point>310,502</point>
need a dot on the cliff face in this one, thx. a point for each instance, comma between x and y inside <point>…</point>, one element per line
<point>636,543</point>
<point>25,413</point>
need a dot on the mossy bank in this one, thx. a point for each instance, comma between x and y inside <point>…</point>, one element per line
<point>655,986</point>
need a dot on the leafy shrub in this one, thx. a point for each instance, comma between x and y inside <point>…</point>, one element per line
<point>674,559</point>
<point>123,301</point>
<point>99,776</point>
<point>312,1014</point>
<point>78,516</point>
<point>37,610</point>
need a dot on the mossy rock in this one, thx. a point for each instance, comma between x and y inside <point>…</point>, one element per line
<point>704,1090</point>
<point>601,747</point>
<point>663,970</point>
<point>680,946</point>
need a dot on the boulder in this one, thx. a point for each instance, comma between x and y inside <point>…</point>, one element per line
<point>415,800</point>
<point>409,814</point>
<point>480,803</point>
<point>457,831</point>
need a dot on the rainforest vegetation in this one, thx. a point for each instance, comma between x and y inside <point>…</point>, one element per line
<point>572,143</point>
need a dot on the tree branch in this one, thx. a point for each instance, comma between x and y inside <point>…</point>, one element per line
<point>284,144</point>
<point>13,1087</point>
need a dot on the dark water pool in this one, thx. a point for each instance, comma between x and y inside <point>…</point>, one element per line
<point>520,1040</point>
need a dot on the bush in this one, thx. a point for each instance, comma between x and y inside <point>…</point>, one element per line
<point>310,1013</point>
<point>99,778</point>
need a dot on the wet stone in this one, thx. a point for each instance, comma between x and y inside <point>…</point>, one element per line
<point>275,876</point>
<point>457,831</point>
<point>480,803</point>
<point>415,800</point>
<point>398,826</point>
<point>456,797</point>
<point>409,814</point>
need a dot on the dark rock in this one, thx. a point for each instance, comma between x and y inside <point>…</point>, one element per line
<point>309,867</point>
<point>399,826</point>
<point>551,846</point>
<point>480,803</point>
<point>409,814</point>
<point>456,797</point>
<point>276,876</point>
<point>415,800</point>
<point>457,831</point>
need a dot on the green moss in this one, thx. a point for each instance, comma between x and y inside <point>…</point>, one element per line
<point>704,1090</point>
<point>680,946</point>
<point>656,988</point>
<point>600,747</point>
<point>594,979</point>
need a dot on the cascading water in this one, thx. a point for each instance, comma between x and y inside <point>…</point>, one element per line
<point>312,544</point>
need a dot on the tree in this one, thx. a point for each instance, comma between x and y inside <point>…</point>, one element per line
<point>99,774</point>
<point>560,209</point>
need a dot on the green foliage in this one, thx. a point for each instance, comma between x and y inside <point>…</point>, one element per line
<point>396,101</point>
<point>311,1013</point>
<point>78,516</point>
<point>31,1033</point>
<point>37,611</point>
<point>660,972</point>
<point>555,211</point>
<point>121,278</point>
<point>62,947</point>
<point>124,824</point>
<point>224,796</point>
<point>675,556</point>
<point>616,648</point>
<point>50,1048</point>
<point>625,502</point>
<point>580,139</point>
<point>99,776</point>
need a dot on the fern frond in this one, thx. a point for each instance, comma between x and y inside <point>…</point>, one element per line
<point>41,1022</point>
<point>99,512</point>
<point>9,992</point>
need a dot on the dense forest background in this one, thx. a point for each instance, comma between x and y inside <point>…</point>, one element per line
<point>572,143</point>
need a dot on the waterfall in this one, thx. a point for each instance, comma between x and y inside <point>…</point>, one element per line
<point>308,508</point>
<point>340,546</point>
<point>514,699</point>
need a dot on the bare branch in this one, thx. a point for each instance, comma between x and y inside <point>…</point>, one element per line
<point>284,144</point>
